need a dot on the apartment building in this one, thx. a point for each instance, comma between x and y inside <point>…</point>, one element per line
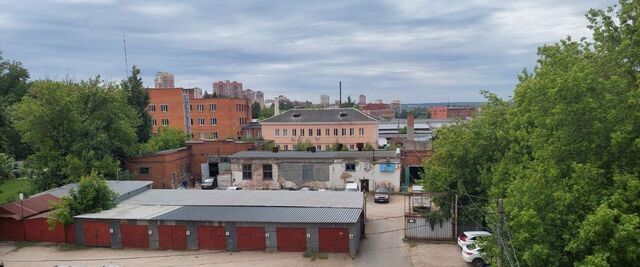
<point>202,118</point>
<point>452,112</point>
<point>378,110</point>
<point>322,128</point>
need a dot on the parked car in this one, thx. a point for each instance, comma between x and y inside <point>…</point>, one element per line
<point>234,188</point>
<point>472,254</point>
<point>470,237</point>
<point>419,200</point>
<point>381,195</point>
<point>351,187</point>
<point>208,184</point>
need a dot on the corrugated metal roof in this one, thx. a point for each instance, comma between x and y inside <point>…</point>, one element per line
<point>130,212</point>
<point>120,187</point>
<point>263,214</point>
<point>320,115</point>
<point>256,198</point>
<point>316,155</point>
<point>27,207</point>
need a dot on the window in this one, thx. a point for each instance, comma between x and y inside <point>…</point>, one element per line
<point>344,131</point>
<point>203,135</point>
<point>213,121</point>
<point>327,131</point>
<point>152,108</point>
<point>301,132</point>
<point>286,147</point>
<point>318,132</point>
<point>144,170</point>
<point>212,107</point>
<point>326,147</point>
<point>243,121</point>
<point>200,121</point>
<point>293,132</point>
<point>335,132</point>
<point>350,166</point>
<point>351,131</point>
<point>154,122</point>
<point>200,107</point>
<point>361,131</point>
<point>165,122</point>
<point>352,147</point>
<point>164,108</point>
<point>310,132</point>
<point>277,132</point>
<point>285,132</point>
<point>190,108</point>
<point>267,172</point>
<point>319,147</point>
<point>246,172</point>
<point>214,135</point>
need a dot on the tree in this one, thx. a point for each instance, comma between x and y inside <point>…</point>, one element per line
<point>138,98</point>
<point>92,195</point>
<point>13,86</point>
<point>75,128</point>
<point>214,95</point>
<point>7,164</point>
<point>303,145</point>
<point>206,95</point>
<point>266,112</point>
<point>349,103</point>
<point>167,138</point>
<point>255,110</point>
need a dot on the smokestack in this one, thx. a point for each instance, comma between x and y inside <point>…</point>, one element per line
<point>410,122</point>
<point>276,107</point>
<point>340,85</point>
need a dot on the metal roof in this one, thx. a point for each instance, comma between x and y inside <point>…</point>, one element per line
<point>316,155</point>
<point>122,188</point>
<point>130,212</point>
<point>27,207</point>
<point>320,115</point>
<point>263,214</point>
<point>254,198</point>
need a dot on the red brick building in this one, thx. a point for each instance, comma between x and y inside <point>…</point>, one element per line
<point>378,110</point>
<point>452,112</point>
<point>227,88</point>
<point>202,118</point>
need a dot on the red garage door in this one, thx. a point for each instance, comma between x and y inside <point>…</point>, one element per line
<point>134,236</point>
<point>96,234</point>
<point>251,238</point>
<point>334,240</point>
<point>11,230</point>
<point>173,237</point>
<point>211,237</point>
<point>292,239</point>
<point>38,230</point>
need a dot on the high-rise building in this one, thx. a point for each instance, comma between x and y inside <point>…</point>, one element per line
<point>164,80</point>
<point>228,89</point>
<point>362,100</point>
<point>260,98</point>
<point>324,100</point>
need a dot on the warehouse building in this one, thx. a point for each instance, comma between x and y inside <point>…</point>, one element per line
<point>294,221</point>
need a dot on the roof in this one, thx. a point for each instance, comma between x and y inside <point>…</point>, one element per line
<point>263,214</point>
<point>130,212</point>
<point>375,106</point>
<point>320,115</point>
<point>27,207</point>
<point>315,155</point>
<point>122,188</point>
<point>248,198</point>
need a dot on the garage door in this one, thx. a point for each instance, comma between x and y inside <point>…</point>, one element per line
<point>292,239</point>
<point>211,237</point>
<point>173,237</point>
<point>251,238</point>
<point>334,240</point>
<point>39,231</point>
<point>96,234</point>
<point>11,229</point>
<point>134,236</point>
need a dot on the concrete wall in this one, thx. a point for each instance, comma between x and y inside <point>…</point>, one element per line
<point>370,133</point>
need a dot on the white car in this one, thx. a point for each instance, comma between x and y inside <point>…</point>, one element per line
<point>469,237</point>
<point>472,254</point>
<point>234,188</point>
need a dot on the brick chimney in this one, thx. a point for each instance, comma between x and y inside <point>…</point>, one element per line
<point>410,125</point>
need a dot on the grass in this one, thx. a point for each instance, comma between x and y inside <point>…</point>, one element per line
<point>22,244</point>
<point>10,189</point>
<point>313,256</point>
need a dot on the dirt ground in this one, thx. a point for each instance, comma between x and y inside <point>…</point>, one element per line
<point>382,247</point>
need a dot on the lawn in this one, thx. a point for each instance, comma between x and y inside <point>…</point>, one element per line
<point>10,189</point>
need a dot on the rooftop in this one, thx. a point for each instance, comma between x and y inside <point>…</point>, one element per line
<point>320,115</point>
<point>122,188</point>
<point>315,155</point>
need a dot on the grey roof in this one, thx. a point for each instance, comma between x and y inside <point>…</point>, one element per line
<point>320,115</point>
<point>316,155</point>
<point>130,212</point>
<point>253,198</point>
<point>263,214</point>
<point>122,188</point>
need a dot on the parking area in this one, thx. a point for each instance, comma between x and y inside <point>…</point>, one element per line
<point>383,246</point>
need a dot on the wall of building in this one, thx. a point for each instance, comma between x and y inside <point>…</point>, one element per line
<point>230,114</point>
<point>366,169</point>
<point>166,170</point>
<point>211,151</point>
<point>172,97</point>
<point>288,141</point>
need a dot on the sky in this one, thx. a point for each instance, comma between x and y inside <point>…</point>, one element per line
<point>412,51</point>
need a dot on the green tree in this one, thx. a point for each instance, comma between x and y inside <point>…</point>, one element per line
<point>302,145</point>
<point>349,103</point>
<point>138,98</point>
<point>167,138</point>
<point>266,112</point>
<point>92,195</point>
<point>255,110</point>
<point>13,86</point>
<point>7,164</point>
<point>75,128</point>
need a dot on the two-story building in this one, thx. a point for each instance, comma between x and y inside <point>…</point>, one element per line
<point>322,128</point>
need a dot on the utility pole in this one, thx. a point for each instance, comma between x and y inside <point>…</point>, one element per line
<point>500,225</point>
<point>126,64</point>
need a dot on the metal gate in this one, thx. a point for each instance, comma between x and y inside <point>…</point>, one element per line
<point>173,237</point>
<point>134,236</point>
<point>334,240</point>
<point>96,234</point>
<point>211,237</point>
<point>292,239</point>
<point>251,238</point>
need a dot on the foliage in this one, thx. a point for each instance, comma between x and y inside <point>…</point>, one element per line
<point>562,154</point>
<point>255,110</point>
<point>11,189</point>
<point>92,195</point>
<point>417,113</point>
<point>75,128</point>
<point>349,104</point>
<point>266,112</point>
<point>402,130</point>
<point>285,105</point>
<point>266,145</point>
<point>13,86</point>
<point>368,147</point>
<point>302,145</point>
<point>166,138</point>
<point>7,164</point>
<point>138,98</point>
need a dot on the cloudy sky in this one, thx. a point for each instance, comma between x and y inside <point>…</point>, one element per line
<point>414,51</point>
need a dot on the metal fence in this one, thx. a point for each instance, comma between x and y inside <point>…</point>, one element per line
<point>417,227</point>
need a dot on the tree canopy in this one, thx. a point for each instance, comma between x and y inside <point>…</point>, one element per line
<point>138,98</point>
<point>563,153</point>
<point>166,138</point>
<point>255,110</point>
<point>13,86</point>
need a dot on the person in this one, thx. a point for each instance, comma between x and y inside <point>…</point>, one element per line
<point>193,182</point>
<point>184,183</point>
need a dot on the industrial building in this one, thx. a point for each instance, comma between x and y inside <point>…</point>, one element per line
<point>298,221</point>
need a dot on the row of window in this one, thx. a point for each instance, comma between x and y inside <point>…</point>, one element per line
<point>163,108</point>
<point>164,122</point>
<point>200,107</point>
<point>208,135</point>
<point>202,121</point>
<point>318,147</point>
<point>318,132</point>
<point>242,107</point>
<point>267,172</point>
